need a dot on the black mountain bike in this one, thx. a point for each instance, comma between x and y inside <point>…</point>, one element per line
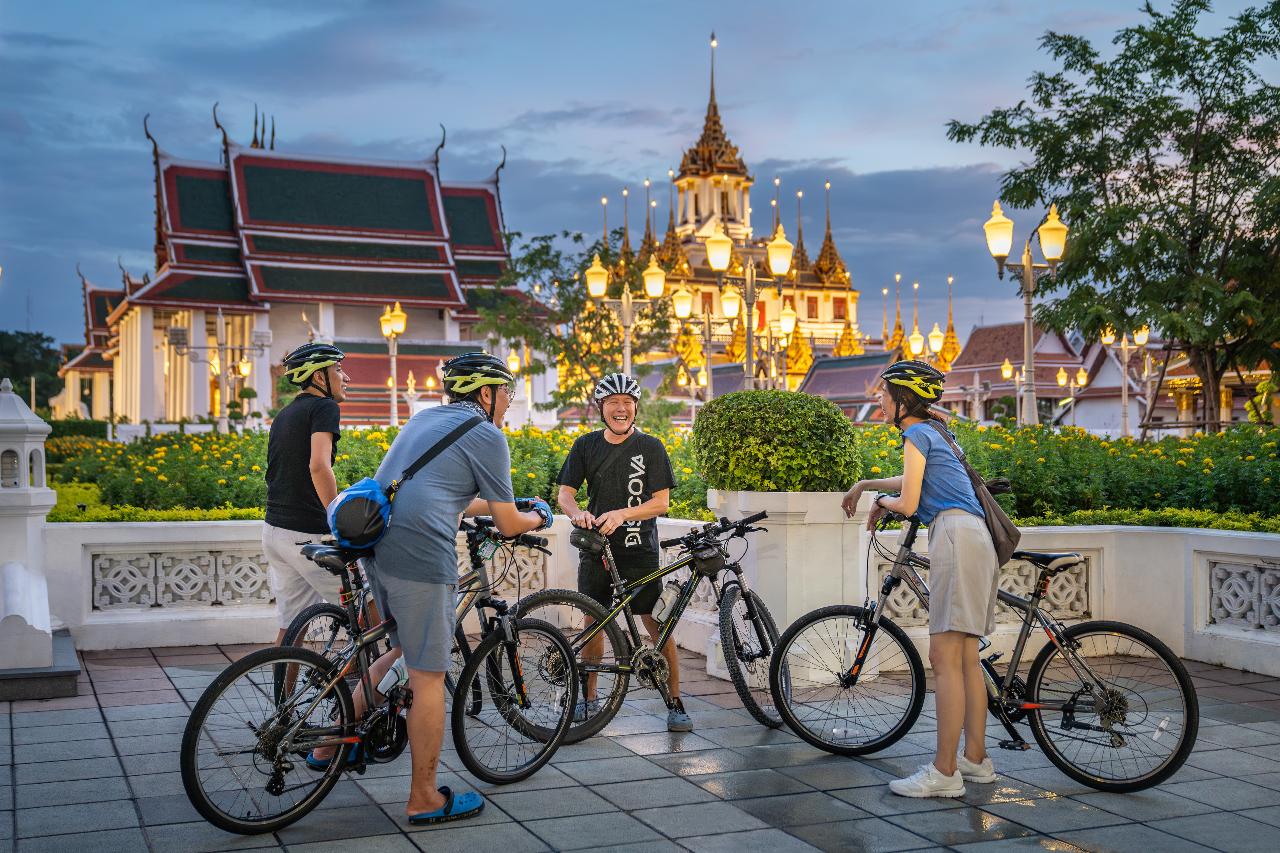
<point>748,634</point>
<point>244,747</point>
<point>1111,706</point>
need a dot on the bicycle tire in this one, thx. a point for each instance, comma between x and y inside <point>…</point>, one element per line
<point>805,669</point>
<point>617,644</point>
<point>1046,733</point>
<point>489,664</point>
<point>458,657</point>
<point>190,754</point>
<point>302,623</point>
<point>741,671</point>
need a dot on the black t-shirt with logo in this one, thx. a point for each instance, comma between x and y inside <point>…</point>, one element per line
<point>618,476</point>
<point>292,502</point>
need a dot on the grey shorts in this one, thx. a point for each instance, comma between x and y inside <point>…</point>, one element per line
<point>963,575</point>
<point>424,614</point>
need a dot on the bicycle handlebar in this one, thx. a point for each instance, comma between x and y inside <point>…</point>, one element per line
<point>714,529</point>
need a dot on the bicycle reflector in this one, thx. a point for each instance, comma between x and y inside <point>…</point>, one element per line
<point>588,541</point>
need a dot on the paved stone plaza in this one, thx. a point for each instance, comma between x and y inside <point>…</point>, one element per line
<point>99,773</point>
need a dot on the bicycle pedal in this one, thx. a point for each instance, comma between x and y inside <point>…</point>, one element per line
<point>1015,745</point>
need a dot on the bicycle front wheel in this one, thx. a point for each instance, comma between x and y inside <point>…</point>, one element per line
<point>816,702</point>
<point>748,638</point>
<point>1120,711</point>
<point>235,769</point>
<point>527,690</point>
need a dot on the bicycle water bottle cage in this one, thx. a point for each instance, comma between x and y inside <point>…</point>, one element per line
<point>588,541</point>
<point>708,559</point>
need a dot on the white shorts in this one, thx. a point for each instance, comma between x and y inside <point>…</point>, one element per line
<point>297,582</point>
<point>963,575</point>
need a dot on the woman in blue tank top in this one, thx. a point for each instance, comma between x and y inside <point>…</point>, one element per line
<point>963,574</point>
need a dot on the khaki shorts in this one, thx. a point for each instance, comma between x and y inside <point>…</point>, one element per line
<point>963,575</point>
<point>297,582</point>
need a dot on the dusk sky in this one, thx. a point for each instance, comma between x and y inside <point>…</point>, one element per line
<point>586,97</point>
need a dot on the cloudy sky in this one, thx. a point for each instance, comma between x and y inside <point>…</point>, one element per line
<point>587,98</point>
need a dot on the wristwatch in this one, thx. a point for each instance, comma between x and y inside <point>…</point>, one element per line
<point>876,502</point>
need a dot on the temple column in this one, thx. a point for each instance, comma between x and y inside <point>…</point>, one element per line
<point>261,380</point>
<point>1226,405</point>
<point>128,360</point>
<point>100,397</point>
<point>1184,399</point>
<point>451,332</point>
<point>151,389</point>
<point>324,322</point>
<point>197,371</point>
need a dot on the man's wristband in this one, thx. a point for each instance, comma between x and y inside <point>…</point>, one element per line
<point>876,502</point>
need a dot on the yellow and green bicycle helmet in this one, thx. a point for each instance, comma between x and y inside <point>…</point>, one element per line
<point>302,365</point>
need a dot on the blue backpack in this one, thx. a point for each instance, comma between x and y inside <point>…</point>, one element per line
<point>361,513</point>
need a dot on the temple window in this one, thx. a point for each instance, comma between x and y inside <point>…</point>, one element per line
<point>838,309</point>
<point>812,307</point>
<point>9,476</point>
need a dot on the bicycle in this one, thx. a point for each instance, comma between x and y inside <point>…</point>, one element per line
<point>243,746</point>
<point>853,681</point>
<point>748,634</point>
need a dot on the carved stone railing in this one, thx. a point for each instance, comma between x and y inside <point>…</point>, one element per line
<point>1245,594</point>
<point>1068,593</point>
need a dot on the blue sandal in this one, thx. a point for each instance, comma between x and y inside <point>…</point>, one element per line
<point>458,807</point>
<point>323,763</point>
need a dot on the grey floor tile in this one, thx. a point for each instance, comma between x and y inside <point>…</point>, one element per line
<point>1236,736</point>
<point>147,727</point>
<point>589,750</point>
<point>109,841</point>
<point>759,841</point>
<point>739,736</point>
<point>155,784</point>
<point>149,744</point>
<point>723,717</point>
<point>705,761</point>
<point>879,800</point>
<point>68,793</point>
<point>30,719</point>
<point>561,802</point>
<point>794,809</point>
<point>605,770</point>
<point>146,712</point>
<point>1145,806</point>
<point>637,725</point>
<point>59,734</point>
<point>1226,793</point>
<point>787,755</point>
<point>1052,779</point>
<point>340,823</point>
<point>203,838</point>
<point>869,834</point>
<point>1270,814</point>
<point>60,751</point>
<point>1223,831</point>
<point>158,762</point>
<point>1270,750</point>
<point>576,833</point>
<point>1026,844</point>
<point>652,793</point>
<point>664,743</point>
<point>662,846</point>
<point>1128,838</point>
<point>1234,762</point>
<point>1054,815</point>
<point>171,808</point>
<point>466,837</point>
<point>699,819</point>
<point>66,771</point>
<point>82,817</point>
<point>838,774</point>
<point>397,843</point>
<point>959,826</point>
<point>749,783</point>
<point>1005,789</point>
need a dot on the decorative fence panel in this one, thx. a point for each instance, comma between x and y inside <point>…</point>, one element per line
<point>1245,594</point>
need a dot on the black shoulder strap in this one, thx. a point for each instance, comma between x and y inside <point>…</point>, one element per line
<point>436,449</point>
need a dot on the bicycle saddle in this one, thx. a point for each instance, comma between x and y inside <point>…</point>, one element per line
<point>1050,562</point>
<point>333,558</point>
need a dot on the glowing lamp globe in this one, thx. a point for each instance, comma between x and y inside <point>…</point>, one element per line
<point>1006,370</point>
<point>916,342</point>
<point>719,248</point>
<point>787,319</point>
<point>655,279</point>
<point>1062,377</point>
<point>1053,237</point>
<point>1141,336</point>
<point>730,303</point>
<point>936,339</point>
<point>682,303</point>
<point>597,278</point>
<point>780,250</point>
<point>1108,336</point>
<point>1082,378</point>
<point>999,231</point>
<point>245,367</point>
<point>513,362</point>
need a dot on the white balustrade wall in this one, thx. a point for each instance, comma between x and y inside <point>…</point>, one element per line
<point>1211,595</point>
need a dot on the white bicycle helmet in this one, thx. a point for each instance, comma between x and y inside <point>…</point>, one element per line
<point>616,383</point>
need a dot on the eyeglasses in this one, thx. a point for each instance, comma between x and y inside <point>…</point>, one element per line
<point>512,395</point>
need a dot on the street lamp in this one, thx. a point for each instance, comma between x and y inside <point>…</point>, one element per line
<point>1053,243</point>
<point>655,279</point>
<point>1108,338</point>
<point>936,339</point>
<point>392,323</point>
<point>1073,384</point>
<point>597,278</point>
<point>719,252</point>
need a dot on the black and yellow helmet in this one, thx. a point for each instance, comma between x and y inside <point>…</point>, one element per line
<point>919,377</point>
<point>471,371</point>
<point>305,361</point>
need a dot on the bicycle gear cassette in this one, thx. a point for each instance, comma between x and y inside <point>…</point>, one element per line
<point>650,667</point>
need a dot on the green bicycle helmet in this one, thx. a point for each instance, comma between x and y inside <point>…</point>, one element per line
<point>302,365</point>
<point>466,374</point>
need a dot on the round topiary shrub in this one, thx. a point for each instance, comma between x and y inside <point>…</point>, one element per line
<point>775,441</point>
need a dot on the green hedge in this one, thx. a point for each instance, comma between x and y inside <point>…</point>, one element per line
<point>1170,517</point>
<point>78,426</point>
<point>775,441</point>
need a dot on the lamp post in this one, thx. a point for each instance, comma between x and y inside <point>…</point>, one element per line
<point>1053,243</point>
<point>682,305</point>
<point>719,252</point>
<point>392,323</point>
<point>219,357</point>
<point>1108,338</point>
<point>624,308</point>
<point>1072,384</point>
<point>1007,373</point>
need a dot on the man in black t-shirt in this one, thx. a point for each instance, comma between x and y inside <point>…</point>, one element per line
<point>301,450</point>
<point>629,480</point>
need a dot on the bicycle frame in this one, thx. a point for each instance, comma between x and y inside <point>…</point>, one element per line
<point>1002,694</point>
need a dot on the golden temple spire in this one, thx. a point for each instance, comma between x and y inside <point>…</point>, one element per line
<point>951,343</point>
<point>671,253</point>
<point>884,324</point>
<point>799,256</point>
<point>625,249</point>
<point>848,344</point>
<point>895,342</point>
<point>829,267</point>
<point>713,153</point>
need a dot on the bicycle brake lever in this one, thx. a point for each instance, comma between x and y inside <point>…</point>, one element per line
<point>543,550</point>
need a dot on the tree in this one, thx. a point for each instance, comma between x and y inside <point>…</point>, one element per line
<point>558,320</point>
<point>1163,161</point>
<point>27,354</point>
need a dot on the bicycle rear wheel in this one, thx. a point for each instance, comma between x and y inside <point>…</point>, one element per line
<point>806,672</point>
<point>527,692</point>
<point>1132,732</point>
<point>234,769</point>
<point>748,638</point>
<point>603,666</point>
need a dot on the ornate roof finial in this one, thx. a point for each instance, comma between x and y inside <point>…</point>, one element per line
<point>161,252</point>
<point>714,43</point>
<point>435,157</point>
<point>829,267</point>
<point>951,343</point>
<point>502,165</point>
<point>226,142</point>
<point>255,143</point>
<point>671,254</point>
<point>896,340</point>
<point>649,243</point>
<point>800,256</point>
<point>884,323</point>
<point>146,130</point>
<point>713,153</point>
<point>273,133</point>
<point>625,249</point>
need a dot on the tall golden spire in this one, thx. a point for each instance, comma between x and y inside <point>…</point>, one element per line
<point>829,267</point>
<point>649,243</point>
<point>884,323</point>
<point>625,249</point>
<point>951,343</point>
<point>799,256</point>
<point>895,342</point>
<point>713,153</point>
<point>671,253</point>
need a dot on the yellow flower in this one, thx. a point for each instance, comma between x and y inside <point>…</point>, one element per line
<point>222,482</point>
<point>875,469</point>
<point>243,478</point>
<point>1249,458</point>
<point>687,470</point>
<point>513,470</point>
<point>1182,463</point>
<point>255,468</point>
<point>137,479</point>
<point>532,476</point>
<point>1040,460</point>
<point>162,478</point>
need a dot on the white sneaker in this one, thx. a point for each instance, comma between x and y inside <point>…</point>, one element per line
<point>928,781</point>
<point>981,773</point>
